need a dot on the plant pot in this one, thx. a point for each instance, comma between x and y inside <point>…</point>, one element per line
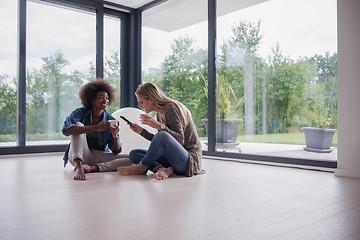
<point>226,129</point>
<point>318,139</point>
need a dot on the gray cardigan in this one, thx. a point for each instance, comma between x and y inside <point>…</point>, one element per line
<point>186,135</point>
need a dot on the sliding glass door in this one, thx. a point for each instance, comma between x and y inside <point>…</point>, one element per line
<point>61,42</point>
<point>60,59</point>
<point>174,57</point>
<point>8,39</point>
<point>277,73</point>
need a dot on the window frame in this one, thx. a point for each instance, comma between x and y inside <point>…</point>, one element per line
<point>84,5</point>
<point>212,5</point>
<point>131,75</point>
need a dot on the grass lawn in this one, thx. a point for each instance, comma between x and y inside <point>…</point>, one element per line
<point>282,138</point>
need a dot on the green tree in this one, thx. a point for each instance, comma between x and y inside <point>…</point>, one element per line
<point>286,88</point>
<point>326,85</point>
<point>7,107</point>
<point>154,76</point>
<point>112,74</point>
<point>56,80</point>
<point>36,103</point>
<point>51,95</point>
<point>243,69</point>
<point>181,80</point>
<point>247,36</point>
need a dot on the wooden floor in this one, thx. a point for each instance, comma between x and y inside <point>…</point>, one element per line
<point>39,200</point>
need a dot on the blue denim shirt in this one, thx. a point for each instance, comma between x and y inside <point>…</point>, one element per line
<point>84,115</point>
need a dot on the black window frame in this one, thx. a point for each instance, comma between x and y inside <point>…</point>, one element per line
<point>84,5</point>
<point>131,21</point>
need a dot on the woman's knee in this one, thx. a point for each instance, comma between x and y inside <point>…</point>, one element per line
<point>161,136</point>
<point>136,155</point>
<point>133,154</point>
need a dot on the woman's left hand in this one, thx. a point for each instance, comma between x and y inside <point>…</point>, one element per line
<point>114,130</point>
<point>148,120</point>
<point>116,147</point>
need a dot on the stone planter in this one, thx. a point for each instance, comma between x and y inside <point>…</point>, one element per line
<point>318,139</point>
<point>226,129</point>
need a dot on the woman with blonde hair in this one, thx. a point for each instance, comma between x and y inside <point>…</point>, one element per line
<point>176,148</point>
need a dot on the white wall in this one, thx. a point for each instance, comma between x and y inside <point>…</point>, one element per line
<point>348,88</point>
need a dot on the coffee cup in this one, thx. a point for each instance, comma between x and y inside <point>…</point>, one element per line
<point>114,123</point>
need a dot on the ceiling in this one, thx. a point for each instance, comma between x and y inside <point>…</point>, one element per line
<point>176,14</point>
<point>130,3</point>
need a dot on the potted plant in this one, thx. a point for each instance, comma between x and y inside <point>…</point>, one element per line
<point>226,128</point>
<point>319,138</point>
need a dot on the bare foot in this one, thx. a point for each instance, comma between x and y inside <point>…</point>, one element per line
<point>163,173</point>
<point>89,169</point>
<point>132,170</point>
<point>79,173</point>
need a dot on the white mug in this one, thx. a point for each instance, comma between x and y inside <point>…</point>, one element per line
<point>114,123</point>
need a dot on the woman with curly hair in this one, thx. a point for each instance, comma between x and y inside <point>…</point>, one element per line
<point>92,138</point>
<point>176,148</point>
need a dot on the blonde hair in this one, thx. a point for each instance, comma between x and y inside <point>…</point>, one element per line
<point>151,91</point>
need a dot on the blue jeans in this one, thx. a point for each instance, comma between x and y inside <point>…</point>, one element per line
<point>164,151</point>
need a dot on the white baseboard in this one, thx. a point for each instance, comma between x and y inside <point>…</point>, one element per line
<point>347,173</point>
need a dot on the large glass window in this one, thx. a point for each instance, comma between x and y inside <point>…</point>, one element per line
<point>112,27</point>
<point>8,40</point>
<point>60,56</point>
<point>277,73</point>
<point>176,59</point>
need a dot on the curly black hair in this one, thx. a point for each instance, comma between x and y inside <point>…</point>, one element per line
<point>88,91</point>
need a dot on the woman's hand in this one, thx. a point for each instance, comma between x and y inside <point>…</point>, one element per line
<point>148,120</point>
<point>136,128</point>
<point>102,126</point>
<point>76,130</point>
<point>114,130</point>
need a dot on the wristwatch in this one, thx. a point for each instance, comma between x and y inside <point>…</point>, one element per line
<point>162,126</point>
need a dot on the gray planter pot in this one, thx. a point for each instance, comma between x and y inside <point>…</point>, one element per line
<point>318,139</point>
<point>226,129</point>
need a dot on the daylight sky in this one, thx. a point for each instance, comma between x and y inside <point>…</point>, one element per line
<point>301,27</point>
